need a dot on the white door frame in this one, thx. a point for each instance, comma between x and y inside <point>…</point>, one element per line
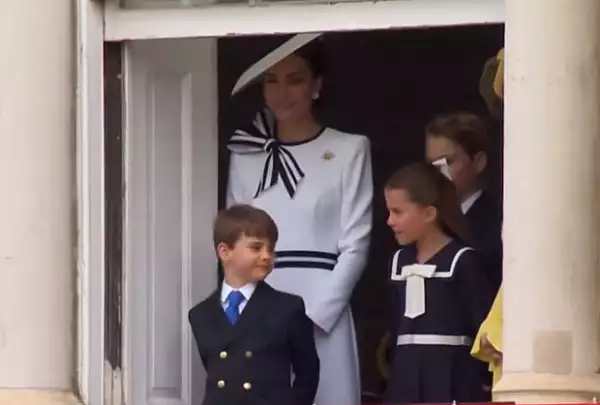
<point>90,201</point>
<point>241,19</point>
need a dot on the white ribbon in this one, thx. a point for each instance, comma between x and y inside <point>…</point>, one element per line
<point>415,275</point>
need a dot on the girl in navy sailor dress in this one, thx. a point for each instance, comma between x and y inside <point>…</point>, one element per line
<point>442,293</point>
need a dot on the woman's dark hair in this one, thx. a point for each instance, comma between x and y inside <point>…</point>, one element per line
<point>427,186</point>
<point>313,54</point>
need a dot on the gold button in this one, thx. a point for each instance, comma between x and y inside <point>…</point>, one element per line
<point>223,355</point>
<point>221,384</point>
<point>248,354</point>
<point>247,386</point>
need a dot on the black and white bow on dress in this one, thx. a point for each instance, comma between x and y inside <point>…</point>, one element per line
<point>280,164</point>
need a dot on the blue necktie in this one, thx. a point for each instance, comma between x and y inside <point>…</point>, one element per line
<point>234,299</point>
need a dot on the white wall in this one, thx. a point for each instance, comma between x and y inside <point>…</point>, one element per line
<point>37,178</point>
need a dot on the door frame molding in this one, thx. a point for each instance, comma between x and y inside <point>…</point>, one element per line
<point>241,19</point>
<point>90,195</point>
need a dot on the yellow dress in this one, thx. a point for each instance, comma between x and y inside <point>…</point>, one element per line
<point>492,327</point>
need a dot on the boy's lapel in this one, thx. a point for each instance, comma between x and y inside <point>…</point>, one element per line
<point>219,319</point>
<point>256,309</point>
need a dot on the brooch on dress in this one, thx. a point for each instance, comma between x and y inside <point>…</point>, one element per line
<point>327,155</point>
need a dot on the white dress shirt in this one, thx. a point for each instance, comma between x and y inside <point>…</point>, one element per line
<point>246,291</point>
<point>469,201</point>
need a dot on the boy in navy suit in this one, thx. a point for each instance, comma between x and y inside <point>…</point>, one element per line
<point>250,336</point>
<point>462,139</point>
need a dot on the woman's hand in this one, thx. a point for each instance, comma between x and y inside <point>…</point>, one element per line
<point>489,351</point>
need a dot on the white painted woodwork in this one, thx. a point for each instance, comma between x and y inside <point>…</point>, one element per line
<point>171,200</point>
<point>90,201</point>
<point>241,19</point>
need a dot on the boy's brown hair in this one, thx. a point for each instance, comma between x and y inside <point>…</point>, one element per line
<point>243,220</point>
<point>466,129</point>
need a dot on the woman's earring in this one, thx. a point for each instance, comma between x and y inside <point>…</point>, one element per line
<point>315,95</point>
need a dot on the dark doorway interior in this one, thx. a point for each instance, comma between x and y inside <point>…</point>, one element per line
<point>114,202</point>
<point>386,85</point>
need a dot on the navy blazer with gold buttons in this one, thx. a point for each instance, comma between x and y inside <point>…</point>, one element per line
<point>251,362</point>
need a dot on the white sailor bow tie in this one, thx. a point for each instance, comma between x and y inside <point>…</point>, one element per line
<point>280,164</point>
<point>415,275</point>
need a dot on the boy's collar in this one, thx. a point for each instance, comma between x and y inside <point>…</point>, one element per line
<point>247,290</point>
<point>468,202</point>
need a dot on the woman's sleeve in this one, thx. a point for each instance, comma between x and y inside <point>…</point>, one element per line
<point>356,222</point>
<point>235,186</point>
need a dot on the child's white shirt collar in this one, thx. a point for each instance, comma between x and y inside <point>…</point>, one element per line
<point>247,290</point>
<point>469,201</point>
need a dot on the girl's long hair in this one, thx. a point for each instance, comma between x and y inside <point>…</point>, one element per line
<point>427,186</point>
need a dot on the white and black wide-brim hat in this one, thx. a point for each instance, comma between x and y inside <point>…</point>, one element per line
<point>281,52</point>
